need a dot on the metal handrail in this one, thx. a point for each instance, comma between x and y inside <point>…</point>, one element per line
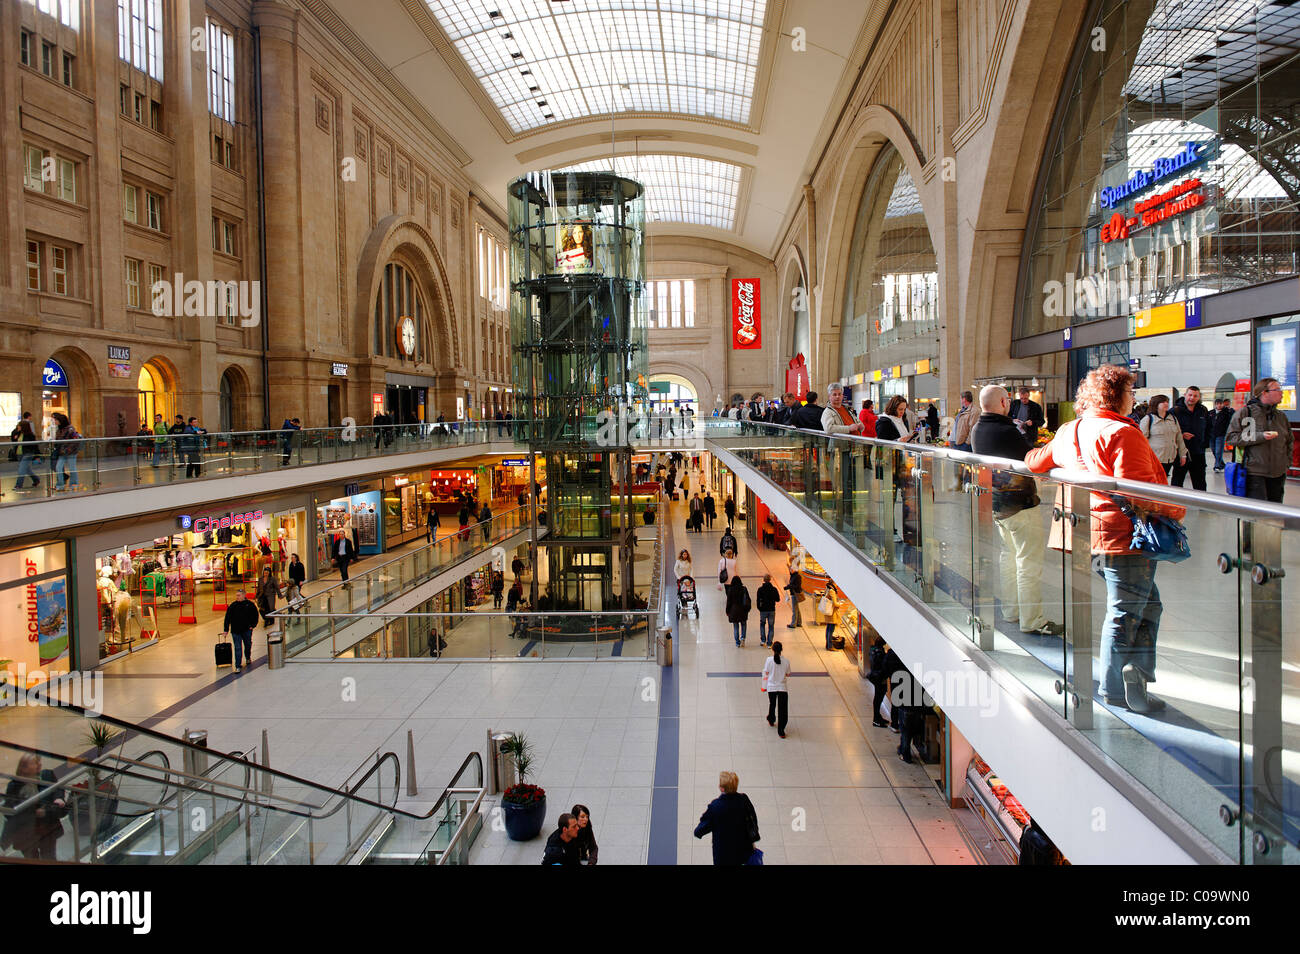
<point>1236,506</point>
<point>274,773</point>
<point>410,554</point>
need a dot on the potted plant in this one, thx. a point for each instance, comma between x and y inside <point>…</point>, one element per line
<point>523,804</point>
<point>100,735</point>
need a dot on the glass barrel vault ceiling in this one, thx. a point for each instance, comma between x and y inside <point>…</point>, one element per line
<point>542,62</point>
<point>678,188</point>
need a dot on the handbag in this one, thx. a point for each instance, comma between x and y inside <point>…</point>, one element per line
<point>1234,474</point>
<point>755,857</point>
<point>825,606</point>
<point>1155,535</point>
<point>722,575</point>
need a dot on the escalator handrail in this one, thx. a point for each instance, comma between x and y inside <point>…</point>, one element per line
<point>274,773</point>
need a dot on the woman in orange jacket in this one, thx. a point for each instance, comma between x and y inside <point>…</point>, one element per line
<point>1105,441</point>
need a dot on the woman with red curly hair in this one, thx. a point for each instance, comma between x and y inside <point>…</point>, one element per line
<point>1105,441</point>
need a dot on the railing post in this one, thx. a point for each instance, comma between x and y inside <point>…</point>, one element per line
<point>987,543</point>
<point>1078,529</point>
<point>411,790</point>
<point>1263,561</point>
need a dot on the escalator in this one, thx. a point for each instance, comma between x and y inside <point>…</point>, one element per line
<point>139,797</point>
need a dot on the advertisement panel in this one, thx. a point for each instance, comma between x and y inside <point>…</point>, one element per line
<point>746,321</point>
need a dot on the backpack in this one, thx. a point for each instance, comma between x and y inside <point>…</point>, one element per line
<point>876,657</point>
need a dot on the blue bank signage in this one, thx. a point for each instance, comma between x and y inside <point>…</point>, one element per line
<point>1160,170</point>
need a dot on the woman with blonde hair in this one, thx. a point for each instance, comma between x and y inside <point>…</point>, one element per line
<point>733,822</point>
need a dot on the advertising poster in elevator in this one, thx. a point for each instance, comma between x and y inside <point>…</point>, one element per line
<point>746,320</point>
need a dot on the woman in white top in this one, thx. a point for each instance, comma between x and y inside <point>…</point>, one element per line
<point>682,567</point>
<point>775,671</point>
<point>726,565</point>
<point>1164,433</point>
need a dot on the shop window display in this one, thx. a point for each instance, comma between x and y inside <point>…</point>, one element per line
<point>35,631</point>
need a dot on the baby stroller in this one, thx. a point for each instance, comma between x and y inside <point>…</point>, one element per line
<point>686,596</point>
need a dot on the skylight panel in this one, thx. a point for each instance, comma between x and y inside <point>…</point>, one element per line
<point>679,188</point>
<point>695,57</point>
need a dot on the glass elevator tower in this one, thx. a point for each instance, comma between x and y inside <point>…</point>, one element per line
<point>578,333</point>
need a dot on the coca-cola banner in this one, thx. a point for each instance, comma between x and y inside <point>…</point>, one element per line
<point>746,325</point>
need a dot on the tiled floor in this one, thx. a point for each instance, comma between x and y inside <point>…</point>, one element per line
<point>833,792</point>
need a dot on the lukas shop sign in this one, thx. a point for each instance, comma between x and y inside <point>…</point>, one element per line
<point>746,323</point>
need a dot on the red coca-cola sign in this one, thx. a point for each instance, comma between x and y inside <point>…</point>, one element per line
<point>796,377</point>
<point>746,325</point>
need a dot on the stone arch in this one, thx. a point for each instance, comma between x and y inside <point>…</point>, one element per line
<point>236,378</point>
<point>706,390</point>
<point>403,237</point>
<point>84,386</point>
<point>791,271</point>
<point>872,130</point>
<point>167,380</point>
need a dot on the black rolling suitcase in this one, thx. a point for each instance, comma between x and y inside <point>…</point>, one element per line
<point>224,653</point>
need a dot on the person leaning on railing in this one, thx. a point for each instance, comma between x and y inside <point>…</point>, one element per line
<point>1106,442</point>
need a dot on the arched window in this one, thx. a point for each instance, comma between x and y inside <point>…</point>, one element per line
<point>400,298</point>
<point>891,293</point>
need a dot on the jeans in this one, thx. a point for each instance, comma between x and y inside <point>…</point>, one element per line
<point>738,630</point>
<point>159,452</point>
<point>1023,546</point>
<point>795,619</point>
<point>1218,452</point>
<point>25,462</point>
<point>66,463</point>
<point>766,626</point>
<point>243,641</point>
<point>1133,608</point>
<point>830,631</point>
<point>778,707</point>
<point>1195,466</point>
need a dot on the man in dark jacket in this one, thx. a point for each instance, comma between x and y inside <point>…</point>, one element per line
<point>241,619</point>
<point>1016,515</point>
<point>345,552</point>
<point>765,600</point>
<point>784,413</point>
<point>728,542</point>
<point>1198,434</point>
<point>732,821</point>
<point>710,509</point>
<point>1028,416</point>
<point>1222,418</point>
<point>808,417</point>
<point>562,846</point>
<point>1264,433</point>
<point>738,606</point>
<point>287,431</point>
<point>28,450</point>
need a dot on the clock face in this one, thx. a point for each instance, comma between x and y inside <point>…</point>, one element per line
<point>406,336</point>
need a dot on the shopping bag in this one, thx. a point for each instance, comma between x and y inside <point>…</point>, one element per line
<point>1234,475</point>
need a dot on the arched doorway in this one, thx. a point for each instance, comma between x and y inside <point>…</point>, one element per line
<point>67,382</point>
<point>225,405</point>
<point>153,396</point>
<point>672,392</point>
<point>233,400</point>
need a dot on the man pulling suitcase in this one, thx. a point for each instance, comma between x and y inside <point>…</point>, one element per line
<point>241,620</point>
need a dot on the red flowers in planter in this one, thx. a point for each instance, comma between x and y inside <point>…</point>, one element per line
<point>524,794</point>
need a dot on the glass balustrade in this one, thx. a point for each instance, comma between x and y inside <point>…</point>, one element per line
<point>146,798</point>
<point>99,464</point>
<point>1005,559</point>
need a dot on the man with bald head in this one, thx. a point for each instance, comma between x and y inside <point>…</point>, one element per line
<point>1016,514</point>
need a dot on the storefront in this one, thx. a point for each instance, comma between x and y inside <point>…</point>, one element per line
<point>1163,230</point>
<point>358,514</point>
<point>138,582</point>
<point>35,613</point>
<point>151,589</point>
